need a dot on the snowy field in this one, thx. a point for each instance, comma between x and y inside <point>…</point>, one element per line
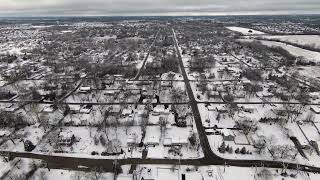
<point>296,51</point>
<point>307,40</point>
<point>245,31</point>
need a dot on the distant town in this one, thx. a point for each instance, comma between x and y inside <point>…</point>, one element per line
<point>160,98</point>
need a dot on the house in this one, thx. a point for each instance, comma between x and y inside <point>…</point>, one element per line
<point>213,94</point>
<point>211,107</point>
<point>166,83</point>
<point>240,94</point>
<point>152,141</point>
<point>115,110</point>
<point>126,112</point>
<point>180,141</point>
<point>74,109</point>
<point>86,109</point>
<point>247,109</point>
<point>132,139</point>
<point>149,93</point>
<point>84,89</point>
<point>48,109</point>
<point>227,135</point>
<point>111,92</point>
<point>221,109</point>
<point>66,138</point>
<point>159,109</point>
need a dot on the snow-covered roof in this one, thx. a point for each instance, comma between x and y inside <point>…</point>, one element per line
<point>48,109</point>
<point>66,134</point>
<point>126,111</point>
<point>152,140</point>
<point>227,132</point>
<point>85,110</point>
<point>132,139</point>
<point>220,108</point>
<point>85,88</point>
<point>74,107</point>
<point>159,109</point>
<point>180,140</point>
<point>211,107</point>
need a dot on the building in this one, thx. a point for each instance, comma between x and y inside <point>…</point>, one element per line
<point>213,94</point>
<point>227,135</point>
<point>86,109</point>
<point>152,141</point>
<point>48,109</point>
<point>84,89</point>
<point>115,110</point>
<point>132,139</point>
<point>126,112</point>
<point>74,109</point>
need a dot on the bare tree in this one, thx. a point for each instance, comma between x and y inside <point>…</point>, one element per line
<point>293,111</point>
<point>264,174</point>
<point>260,144</point>
<point>283,151</point>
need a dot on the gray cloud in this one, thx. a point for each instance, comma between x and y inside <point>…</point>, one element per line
<point>155,7</point>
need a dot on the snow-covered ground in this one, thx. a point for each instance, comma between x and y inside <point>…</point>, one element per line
<point>245,31</point>
<point>296,51</point>
<point>308,40</point>
<point>165,172</point>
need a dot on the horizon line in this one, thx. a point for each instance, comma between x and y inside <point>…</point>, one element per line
<point>164,15</point>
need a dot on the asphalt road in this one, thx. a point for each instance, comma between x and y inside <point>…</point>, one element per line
<point>210,158</point>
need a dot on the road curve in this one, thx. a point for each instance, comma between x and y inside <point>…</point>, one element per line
<point>209,156</point>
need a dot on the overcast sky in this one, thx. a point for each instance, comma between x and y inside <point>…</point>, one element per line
<point>156,7</point>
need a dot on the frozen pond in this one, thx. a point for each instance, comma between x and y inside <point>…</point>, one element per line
<point>245,31</point>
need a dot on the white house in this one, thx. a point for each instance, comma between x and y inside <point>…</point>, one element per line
<point>84,89</point>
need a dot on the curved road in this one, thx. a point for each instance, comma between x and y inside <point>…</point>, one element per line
<point>210,156</point>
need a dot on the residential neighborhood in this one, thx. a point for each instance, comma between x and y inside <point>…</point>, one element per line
<point>176,98</point>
